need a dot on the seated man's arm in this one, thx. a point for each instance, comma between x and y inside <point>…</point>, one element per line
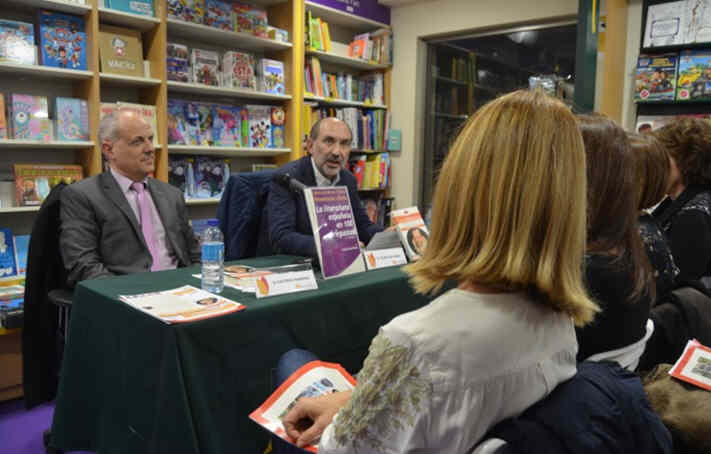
<point>79,236</point>
<point>281,214</point>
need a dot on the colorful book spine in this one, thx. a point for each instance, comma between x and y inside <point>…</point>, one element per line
<point>17,42</point>
<point>62,40</point>
<point>72,122</point>
<point>3,118</point>
<point>22,246</point>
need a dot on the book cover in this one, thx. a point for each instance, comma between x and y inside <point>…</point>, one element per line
<point>186,10</point>
<point>209,177</point>
<point>180,174</point>
<point>278,119</point>
<point>205,65</point>
<point>8,267</point>
<point>191,115</point>
<point>656,77</point>
<point>260,126</point>
<point>200,225</point>
<point>121,51</point>
<point>177,130</point>
<point>271,76</point>
<point>698,21</point>
<point>30,118</point>
<point>413,231</point>
<point>334,229</point>
<point>62,40</point>
<point>72,118</point>
<point>22,246</point>
<point>227,126</point>
<point>17,41</point>
<point>694,75</point>
<point>666,24</point>
<point>34,181</point>
<point>3,119</point>
<point>142,7</point>
<point>258,17</point>
<point>218,14</point>
<point>694,365</point>
<point>178,66</point>
<point>238,70</point>
<point>206,115</point>
<point>241,17</point>
<point>316,378</point>
<point>148,113</point>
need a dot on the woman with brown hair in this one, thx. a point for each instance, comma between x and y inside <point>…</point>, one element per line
<point>510,197</point>
<point>685,216</point>
<point>617,271</point>
<point>653,168</point>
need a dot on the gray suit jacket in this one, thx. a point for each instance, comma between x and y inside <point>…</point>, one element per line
<point>100,235</point>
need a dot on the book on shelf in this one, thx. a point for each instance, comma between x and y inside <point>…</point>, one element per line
<point>205,67</point>
<point>8,266</point>
<point>186,10</point>
<point>413,231</point>
<point>3,118</point>
<point>182,304</point>
<point>656,77</point>
<point>278,118</point>
<point>72,119</point>
<point>227,126</point>
<point>238,70</point>
<point>378,209</point>
<point>316,378</point>
<point>17,42</point>
<point>121,51</point>
<point>334,230</point>
<point>141,7</point>
<point>33,182</point>
<point>22,246</point>
<point>30,118</point>
<point>260,126</point>
<point>218,14</point>
<point>200,225</point>
<point>666,24</point>
<point>211,176</point>
<point>62,40</point>
<point>180,174</point>
<point>177,63</point>
<point>694,76</point>
<point>271,76</point>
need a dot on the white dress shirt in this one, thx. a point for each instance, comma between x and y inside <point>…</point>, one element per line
<point>320,179</point>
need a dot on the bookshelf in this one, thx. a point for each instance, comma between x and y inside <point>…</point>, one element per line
<point>38,71</point>
<point>227,151</point>
<point>208,90</point>
<point>133,81</point>
<point>349,62</point>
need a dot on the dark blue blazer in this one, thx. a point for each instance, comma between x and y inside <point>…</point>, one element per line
<point>289,226</point>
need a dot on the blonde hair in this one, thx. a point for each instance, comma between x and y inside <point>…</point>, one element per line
<point>509,206</point>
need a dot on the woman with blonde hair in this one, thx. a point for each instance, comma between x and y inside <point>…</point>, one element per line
<point>509,227</point>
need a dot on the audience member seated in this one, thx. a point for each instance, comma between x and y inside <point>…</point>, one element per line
<point>617,271</point>
<point>510,198</point>
<point>123,221</point>
<point>685,216</point>
<point>328,145</point>
<point>653,165</point>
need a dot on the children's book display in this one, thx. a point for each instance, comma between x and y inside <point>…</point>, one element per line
<point>178,65</point>
<point>260,126</point>
<point>34,181</point>
<point>180,174</point>
<point>30,118</point>
<point>413,231</point>
<point>142,7</point>
<point>72,119</point>
<point>198,177</point>
<point>62,40</point>
<point>17,42</point>
<point>271,76</point>
<point>238,70</point>
<point>205,67</point>
<point>368,88</point>
<point>121,51</point>
<point>278,118</point>
<point>656,77</point>
<point>694,81</point>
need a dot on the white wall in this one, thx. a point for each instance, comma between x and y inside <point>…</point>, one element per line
<point>413,22</point>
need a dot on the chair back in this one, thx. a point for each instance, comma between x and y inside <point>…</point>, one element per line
<point>242,215</point>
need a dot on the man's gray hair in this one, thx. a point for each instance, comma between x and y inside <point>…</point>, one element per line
<point>316,128</point>
<point>109,127</point>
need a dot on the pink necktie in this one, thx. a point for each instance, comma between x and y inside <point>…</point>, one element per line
<point>144,208</point>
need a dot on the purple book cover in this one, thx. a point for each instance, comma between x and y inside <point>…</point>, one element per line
<point>334,230</point>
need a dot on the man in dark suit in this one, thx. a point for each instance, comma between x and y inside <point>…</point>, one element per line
<point>328,145</point>
<point>123,221</point>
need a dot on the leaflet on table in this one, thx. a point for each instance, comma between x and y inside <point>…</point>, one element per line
<point>313,379</point>
<point>182,304</point>
<point>383,258</point>
<point>244,278</point>
<point>334,229</point>
<point>694,365</point>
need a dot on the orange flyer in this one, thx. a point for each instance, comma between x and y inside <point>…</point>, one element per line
<point>694,365</point>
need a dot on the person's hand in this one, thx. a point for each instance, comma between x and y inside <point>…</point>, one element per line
<point>309,417</point>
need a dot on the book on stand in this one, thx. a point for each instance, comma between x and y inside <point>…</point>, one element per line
<point>186,10</point>
<point>413,231</point>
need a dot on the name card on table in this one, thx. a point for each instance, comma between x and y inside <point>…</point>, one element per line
<point>383,258</point>
<point>282,283</point>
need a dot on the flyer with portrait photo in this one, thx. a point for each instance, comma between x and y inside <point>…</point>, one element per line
<point>694,365</point>
<point>313,379</point>
<point>182,304</point>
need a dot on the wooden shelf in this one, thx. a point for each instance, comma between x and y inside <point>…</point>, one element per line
<point>227,151</point>
<point>202,201</point>
<point>663,102</point>
<point>233,40</point>
<point>208,90</point>
<point>341,102</point>
<point>134,21</point>
<point>55,5</point>
<point>49,146</point>
<point>133,81</point>
<point>9,210</point>
<point>451,81</point>
<point>45,71</point>
<point>336,17</point>
<point>350,62</point>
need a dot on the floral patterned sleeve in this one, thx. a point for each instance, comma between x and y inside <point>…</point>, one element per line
<point>387,406</point>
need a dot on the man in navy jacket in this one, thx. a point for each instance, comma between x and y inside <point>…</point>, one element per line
<point>328,145</point>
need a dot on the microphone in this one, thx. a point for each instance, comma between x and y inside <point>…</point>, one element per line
<point>288,182</point>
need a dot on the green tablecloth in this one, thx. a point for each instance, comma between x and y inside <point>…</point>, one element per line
<point>132,384</point>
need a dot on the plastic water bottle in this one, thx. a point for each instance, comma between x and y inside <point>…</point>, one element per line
<point>213,257</point>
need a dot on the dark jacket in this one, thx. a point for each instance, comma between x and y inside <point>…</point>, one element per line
<point>289,226</point>
<point>601,410</point>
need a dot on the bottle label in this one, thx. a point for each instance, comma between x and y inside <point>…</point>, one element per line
<point>213,252</point>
